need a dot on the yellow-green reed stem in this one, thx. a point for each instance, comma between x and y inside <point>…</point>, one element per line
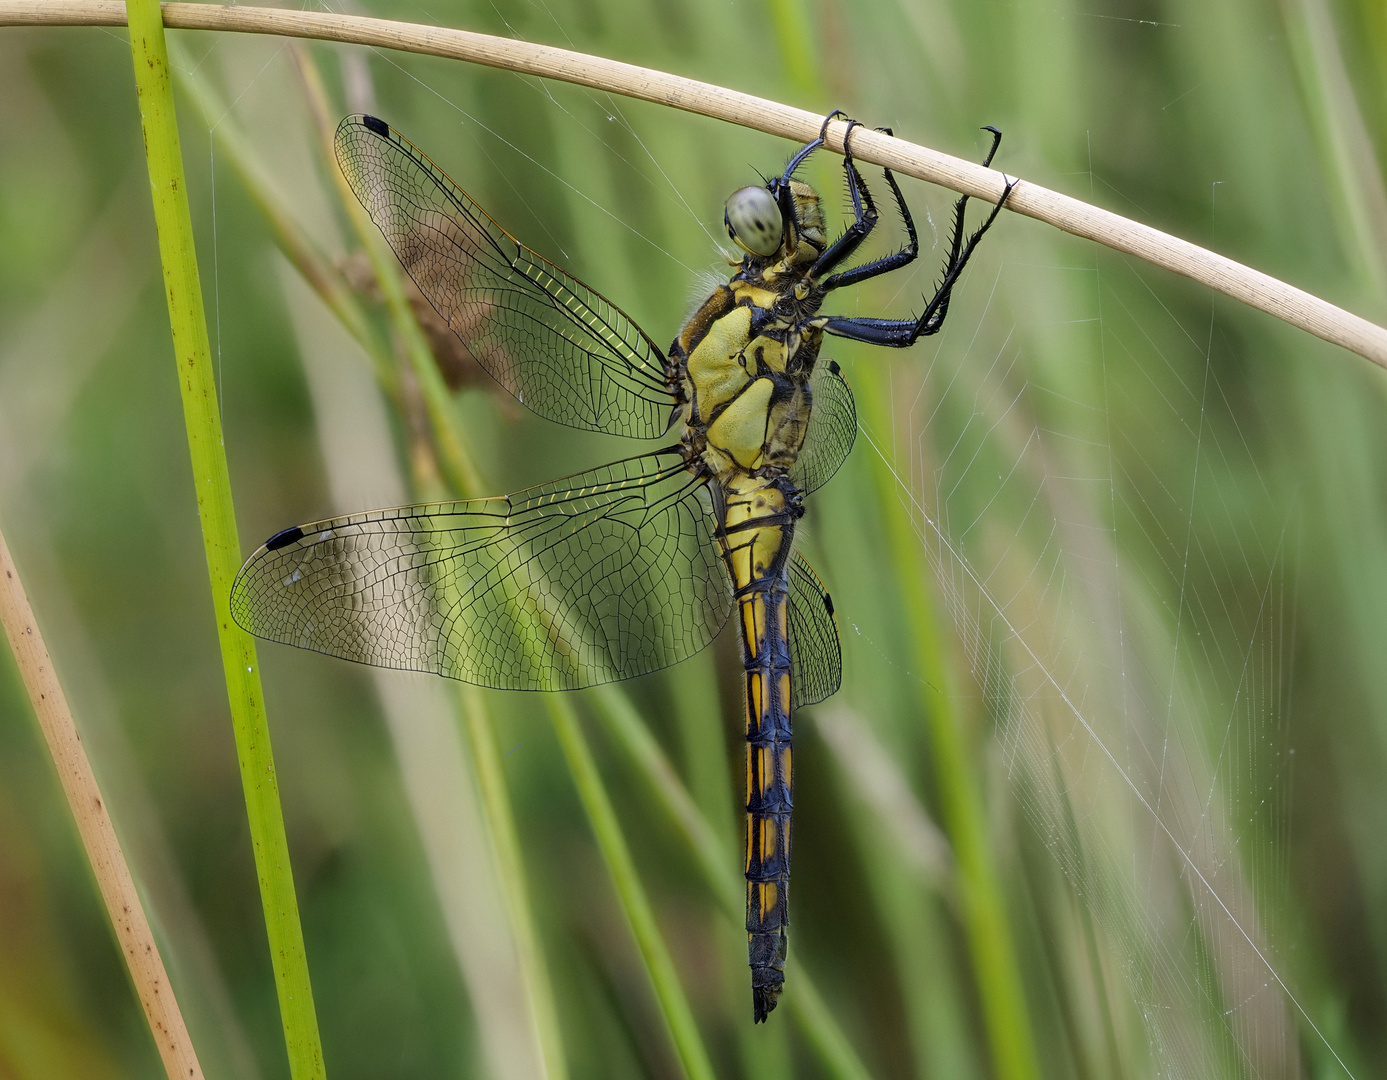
<point>612,843</point>
<point>463,477</point>
<point>491,781</point>
<point>718,866</point>
<point>957,767</point>
<point>459,470</point>
<point>434,483</point>
<point>693,686</point>
<point>326,280</point>
<point>820,1029</point>
<point>212,482</point>
<point>936,1014</point>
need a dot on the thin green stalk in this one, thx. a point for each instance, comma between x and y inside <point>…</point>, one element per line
<point>459,470</point>
<point>912,914</point>
<point>717,863</point>
<point>213,485</point>
<point>714,859</point>
<point>694,686</point>
<point>981,903</point>
<point>611,841</point>
<point>444,443</point>
<point>820,1029</point>
<point>491,781</point>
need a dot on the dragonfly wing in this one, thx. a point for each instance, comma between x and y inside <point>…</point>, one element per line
<point>832,429</point>
<point>602,576</point>
<point>816,657</point>
<point>560,347</point>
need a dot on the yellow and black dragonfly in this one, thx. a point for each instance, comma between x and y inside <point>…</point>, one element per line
<point>638,564</point>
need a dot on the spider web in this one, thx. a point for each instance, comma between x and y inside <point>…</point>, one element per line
<point>1123,606</point>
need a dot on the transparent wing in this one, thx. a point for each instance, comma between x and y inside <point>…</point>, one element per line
<point>832,429</point>
<point>557,345</point>
<point>815,655</point>
<point>602,576</point>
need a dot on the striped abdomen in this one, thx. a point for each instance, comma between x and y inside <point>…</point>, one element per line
<point>759,528</point>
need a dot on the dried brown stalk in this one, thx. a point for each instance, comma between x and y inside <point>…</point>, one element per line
<point>1251,287</point>
<point>94,826</point>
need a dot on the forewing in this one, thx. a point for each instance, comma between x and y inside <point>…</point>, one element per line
<point>561,348</point>
<point>831,432</point>
<point>816,657</point>
<point>602,576</point>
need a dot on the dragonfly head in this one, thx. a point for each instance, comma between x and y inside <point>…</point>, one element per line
<point>784,218</point>
<point>754,221</point>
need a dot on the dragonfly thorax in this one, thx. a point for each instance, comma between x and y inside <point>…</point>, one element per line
<point>744,369</point>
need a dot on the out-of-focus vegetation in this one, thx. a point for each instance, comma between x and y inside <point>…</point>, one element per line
<point>1146,527</point>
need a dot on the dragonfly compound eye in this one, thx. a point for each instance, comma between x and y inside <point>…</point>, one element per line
<point>753,221</point>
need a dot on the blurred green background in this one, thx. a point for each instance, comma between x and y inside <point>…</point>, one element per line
<point>1147,525</point>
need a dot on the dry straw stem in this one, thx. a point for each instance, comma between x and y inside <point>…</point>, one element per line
<point>1242,283</point>
<point>94,826</point>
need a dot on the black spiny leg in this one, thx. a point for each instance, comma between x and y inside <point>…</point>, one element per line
<point>864,215</point>
<point>888,263</point>
<point>908,253</point>
<point>780,186</point>
<point>899,333</point>
<point>783,180</point>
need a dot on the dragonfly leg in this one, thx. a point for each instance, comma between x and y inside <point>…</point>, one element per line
<point>780,186</point>
<point>908,253</point>
<point>864,215</point>
<point>900,333</point>
<point>783,181</point>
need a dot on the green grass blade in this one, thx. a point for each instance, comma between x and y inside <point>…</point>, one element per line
<point>1353,176</point>
<point>634,902</point>
<point>434,481</point>
<point>212,480</point>
<point>459,470</point>
<point>715,860</point>
<point>820,1029</point>
<point>491,782</point>
<point>981,903</point>
<point>798,54</point>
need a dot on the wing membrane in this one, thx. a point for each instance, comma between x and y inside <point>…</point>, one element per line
<point>602,576</point>
<point>560,347</point>
<point>815,654</point>
<point>832,429</point>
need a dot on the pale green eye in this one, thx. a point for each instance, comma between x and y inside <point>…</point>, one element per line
<point>753,221</point>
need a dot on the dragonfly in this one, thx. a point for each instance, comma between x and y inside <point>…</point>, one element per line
<point>638,564</point>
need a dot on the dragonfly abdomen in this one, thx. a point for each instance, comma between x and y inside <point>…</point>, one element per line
<point>769,788</point>
<point>758,531</point>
